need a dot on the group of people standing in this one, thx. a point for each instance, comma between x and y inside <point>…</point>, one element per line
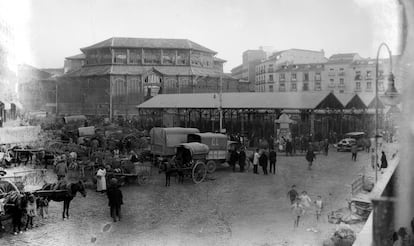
<point>261,158</point>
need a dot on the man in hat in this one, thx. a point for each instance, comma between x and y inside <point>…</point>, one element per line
<point>115,199</point>
<point>61,169</point>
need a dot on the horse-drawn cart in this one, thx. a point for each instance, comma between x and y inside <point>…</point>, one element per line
<point>190,160</point>
<point>137,172</point>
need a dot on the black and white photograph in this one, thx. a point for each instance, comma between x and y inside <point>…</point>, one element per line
<point>207,122</point>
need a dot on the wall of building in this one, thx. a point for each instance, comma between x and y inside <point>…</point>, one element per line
<point>72,64</point>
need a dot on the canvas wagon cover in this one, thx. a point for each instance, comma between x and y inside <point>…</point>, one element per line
<point>196,148</point>
<point>215,141</point>
<point>164,140</point>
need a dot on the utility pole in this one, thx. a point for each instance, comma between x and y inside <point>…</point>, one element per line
<point>221,103</point>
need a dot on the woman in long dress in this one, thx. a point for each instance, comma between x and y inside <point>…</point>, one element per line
<point>101,179</point>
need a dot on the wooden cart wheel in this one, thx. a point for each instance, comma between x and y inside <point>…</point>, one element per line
<point>211,166</point>
<point>143,177</point>
<point>199,172</point>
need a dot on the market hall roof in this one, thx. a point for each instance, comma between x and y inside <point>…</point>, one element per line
<point>139,70</point>
<point>241,100</point>
<point>154,43</point>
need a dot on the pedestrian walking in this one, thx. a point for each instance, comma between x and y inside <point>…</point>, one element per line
<point>310,157</point>
<point>298,211</point>
<point>233,159</point>
<point>305,200</point>
<point>272,160</point>
<point>17,214</point>
<point>373,159</point>
<point>256,161</point>
<point>61,169</point>
<point>31,211</point>
<point>242,159</point>
<point>354,151</point>
<point>288,147</point>
<point>101,179</point>
<point>115,200</point>
<point>263,162</point>
<point>319,206</point>
<point>384,162</point>
<point>326,147</point>
<point>292,194</point>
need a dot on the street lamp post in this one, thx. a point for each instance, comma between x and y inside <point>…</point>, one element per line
<point>391,94</point>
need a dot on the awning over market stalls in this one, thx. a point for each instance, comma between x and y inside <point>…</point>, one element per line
<point>243,100</point>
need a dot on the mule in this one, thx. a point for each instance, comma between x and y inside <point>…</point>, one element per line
<point>66,197</point>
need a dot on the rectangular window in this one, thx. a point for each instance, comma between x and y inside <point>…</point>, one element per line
<point>183,57</point>
<point>318,86</point>
<point>271,78</point>
<point>135,56</point>
<point>306,77</point>
<point>271,88</point>
<point>106,56</point>
<point>282,77</point>
<point>293,78</point>
<point>282,86</point>
<point>305,86</point>
<point>341,82</point>
<point>369,85</point>
<point>358,75</point>
<point>318,76</point>
<point>195,58</point>
<point>293,87</point>
<point>168,57</point>
<point>358,86</point>
<point>152,56</point>
<point>120,56</point>
<point>369,74</point>
<point>270,69</point>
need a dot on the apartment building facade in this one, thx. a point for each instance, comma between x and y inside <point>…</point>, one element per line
<point>246,71</point>
<point>282,67</point>
<point>341,73</point>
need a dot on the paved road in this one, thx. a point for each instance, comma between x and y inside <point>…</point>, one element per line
<point>229,209</point>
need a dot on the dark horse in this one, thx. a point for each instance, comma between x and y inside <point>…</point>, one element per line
<point>170,169</point>
<point>65,197</point>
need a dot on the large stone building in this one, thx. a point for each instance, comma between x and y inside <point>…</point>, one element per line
<point>120,73</point>
<point>246,71</point>
<point>267,70</point>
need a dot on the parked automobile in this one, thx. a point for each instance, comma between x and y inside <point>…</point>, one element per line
<point>345,144</point>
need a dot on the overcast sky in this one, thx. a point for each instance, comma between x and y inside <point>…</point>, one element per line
<point>57,29</point>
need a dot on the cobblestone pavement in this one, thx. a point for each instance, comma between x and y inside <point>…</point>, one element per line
<point>228,209</point>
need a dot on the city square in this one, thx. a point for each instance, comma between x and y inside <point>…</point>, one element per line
<point>206,123</point>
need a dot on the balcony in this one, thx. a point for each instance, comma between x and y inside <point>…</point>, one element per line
<point>293,79</point>
<point>368,77</point>
<point>341,86</point>
<point>341,74</point>
<point>281,79</point>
